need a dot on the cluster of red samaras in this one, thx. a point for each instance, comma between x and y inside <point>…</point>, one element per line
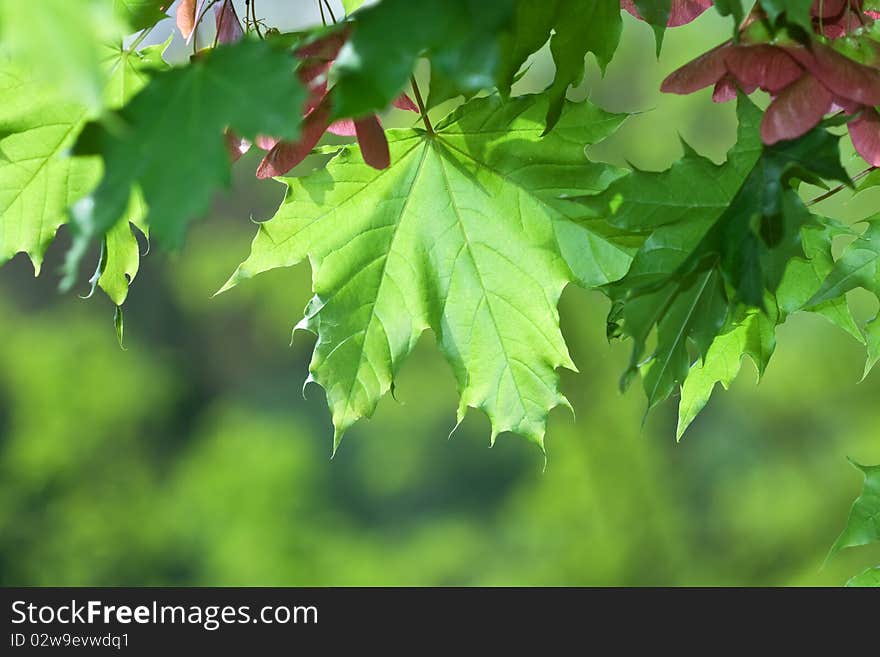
<point>315,61</point>
<point>806,82</point>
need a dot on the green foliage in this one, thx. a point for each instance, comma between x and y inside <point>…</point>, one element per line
<point>856,267</point>
<point>732,8</point>
<point>471,230</point>
<point>713,252</point>
<point>141,14</point>
<point>754,336</point>
<point>38,179</point>
<point>869,578</point>
<point>156,144</point>
<point>351,5</point>
<point>456,236</point>
<point>863,524</point>
<point>198,454</point>
<point>656,14</point>
<point>61,43</point>
<point>685,302</point>
<point>453,36</point>
<point>120,260</point>
<point>578,27</point>
<point>796,12</point>
<point>38,183</point>
<point>779,12</point>
<point>373,69</point>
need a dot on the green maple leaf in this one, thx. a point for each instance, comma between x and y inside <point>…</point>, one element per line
<point>168,140</point>
<point>804,277</point>
<point>38,178</point>
<point>719,239</point>
<point>686,304</point>
<point>141,14</point>
<point>732,8</point>
<point>797,12</point>
<point>656,14</point>
<point>872,342</point>
<point>869,578</point>
<point>577,27</point>
<point>863,525</point>
<point>754,336</point>
<point>464,234</point>
<point>129,73</point>
<point>457,36</point>
<point>858,266</point>
<point>121,255</point>
<point>61,43</point>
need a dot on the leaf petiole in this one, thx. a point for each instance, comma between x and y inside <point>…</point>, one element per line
<point>421,104</point>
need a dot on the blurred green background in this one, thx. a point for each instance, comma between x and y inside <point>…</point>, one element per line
<point>192,459</point>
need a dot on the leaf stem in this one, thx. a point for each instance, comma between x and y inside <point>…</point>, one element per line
<point>330,10</point>
<point>253,6</point>
<point>421,104</point>
<point>839,188</point>
<point>139,39</point>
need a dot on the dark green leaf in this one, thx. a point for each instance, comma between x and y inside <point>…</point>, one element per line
<point>656,14</point>
<point>169,139</point>
<point>856,267</point>
<point>388,38</point>
<point>797,12</point>
<point>731,8</point>
<point>718,239</point>
<point>578,27</point>
<point>141,14</point>
<point>690,313</point>
<point>863,525</point>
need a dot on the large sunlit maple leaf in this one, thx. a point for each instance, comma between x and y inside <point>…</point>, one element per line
<point>465,233</point>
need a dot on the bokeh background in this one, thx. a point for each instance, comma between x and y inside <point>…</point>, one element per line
<point>191,458</point>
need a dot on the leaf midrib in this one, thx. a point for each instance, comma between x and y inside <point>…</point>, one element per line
<point>356,379</point>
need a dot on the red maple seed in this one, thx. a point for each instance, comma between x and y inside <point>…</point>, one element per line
<point>228,25</point>
<point>806,83</point>
<point>317,57</point>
